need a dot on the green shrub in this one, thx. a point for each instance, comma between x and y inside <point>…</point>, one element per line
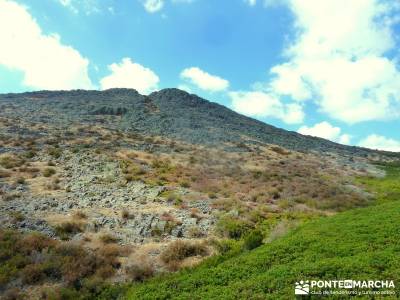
<point>48,172</point>
<point>30,154</point>
<point>321,249</point>
<point>185,184</point>
<point>228,245</point>
<point>253,240</point>
<point>55,152</point>
<point>66,229</point>
<point>232,228</point>
<point>11,161</point>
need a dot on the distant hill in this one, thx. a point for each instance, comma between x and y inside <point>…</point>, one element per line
<point>170,112</point>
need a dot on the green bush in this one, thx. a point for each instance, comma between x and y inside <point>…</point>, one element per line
<point>232,228</point>
<point>360,244</point>
<point>253,240</point>
<point>48,172</point>
<point>227,245</point>
<point>55,152</point>
<point>66,229</point>
<point>11,161</point>
<point>30,154</point>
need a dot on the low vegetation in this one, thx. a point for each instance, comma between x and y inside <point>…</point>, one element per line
<point>33,259</point>
<point>48,172</point>
<point>67,229</point>
<point>132,205</point>
<point>179,250</point>
<point>359,244</point>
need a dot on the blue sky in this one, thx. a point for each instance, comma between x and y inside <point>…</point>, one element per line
<point>327,68</point>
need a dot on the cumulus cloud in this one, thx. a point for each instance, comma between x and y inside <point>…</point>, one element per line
<point>339,59</point>
<point>182,1</point>
<point>128,74</point>
<point>379,142</point>
<point>204,80</point>
<point>87,7</point>
<point>68,4</point>
<point>260,104</point>
<point>185,88</point>
<point>44,60</point>
<point>327,131</point>
<point>251,2</point>
<point>153,6</point>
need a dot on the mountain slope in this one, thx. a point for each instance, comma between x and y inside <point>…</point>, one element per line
<point>152,184</point>
<point>329,249</point>
<point>359,245</point>
<point>171,112</point>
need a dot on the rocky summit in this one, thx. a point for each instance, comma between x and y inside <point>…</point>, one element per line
<point>170,113</point>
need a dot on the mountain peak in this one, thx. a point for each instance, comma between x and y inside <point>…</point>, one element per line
<point>169,112</point>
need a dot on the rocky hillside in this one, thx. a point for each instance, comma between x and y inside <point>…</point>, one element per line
<point>171,113</point>
<point>112,186</point>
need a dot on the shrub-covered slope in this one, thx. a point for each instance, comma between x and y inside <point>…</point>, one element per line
<point>358,244</point>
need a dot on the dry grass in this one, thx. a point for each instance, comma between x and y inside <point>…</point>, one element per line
<point>179,250</point>
<point>67,229</point>
<point>79,215</point>
<point>280,230</point>
<point>4,173</point>
<point>10,161</point>
<point>140,272</point>
<point>107,238</point>
<point>48,172</point>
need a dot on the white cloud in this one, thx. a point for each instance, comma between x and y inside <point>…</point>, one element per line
<point>338,59</point>
<point>185,88</point>
<point>153,6</point>
<point>45,62</point>
<point>68,4</point>
<point>345,139</point>
<point>88,7</point>
<point>251,2</point>
<point>260,104</point>
<point>379,142</point>
<point>204,80</point>
<point>292,113</point>
<point>65,2</point>
<point>183,1</point>
<point>327,131</point>
<point>127,74</point>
